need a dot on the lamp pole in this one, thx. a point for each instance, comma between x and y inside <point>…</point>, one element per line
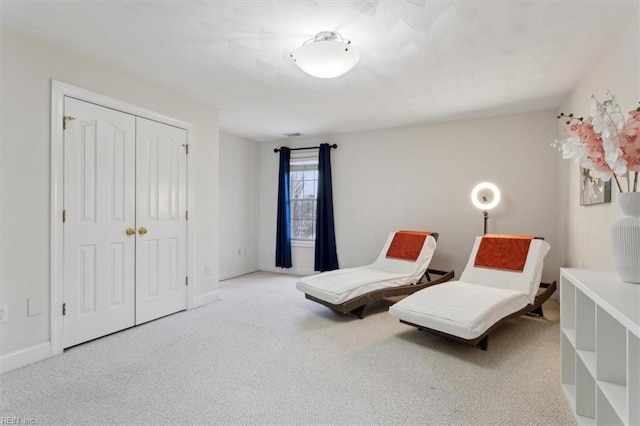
<point>485,214</point>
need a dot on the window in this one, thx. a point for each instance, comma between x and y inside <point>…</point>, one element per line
<point>303,174</point>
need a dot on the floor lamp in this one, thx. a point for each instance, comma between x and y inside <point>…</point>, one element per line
<point>485,196</point>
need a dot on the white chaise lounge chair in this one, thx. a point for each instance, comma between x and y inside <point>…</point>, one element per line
<point>400,269</point>
<point>491,290</point>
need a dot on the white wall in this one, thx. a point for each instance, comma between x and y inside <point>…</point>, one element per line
<point>421,177</point>
<point>238,206</point>
<point>585,231</point>
<point>27,68</point>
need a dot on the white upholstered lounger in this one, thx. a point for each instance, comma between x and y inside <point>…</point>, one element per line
<point>350,290</point>
<point>483,298</point>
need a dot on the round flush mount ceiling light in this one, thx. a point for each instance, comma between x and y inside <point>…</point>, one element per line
<point>327,55</point>
<point>485,196</point>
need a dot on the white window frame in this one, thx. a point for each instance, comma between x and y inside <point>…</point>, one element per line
<point>301,159</point>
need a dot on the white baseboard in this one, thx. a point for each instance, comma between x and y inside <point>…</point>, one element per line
<point>290,271</point>
<point>23,357</point>
<point>236,272</point>
<point>205,299</point>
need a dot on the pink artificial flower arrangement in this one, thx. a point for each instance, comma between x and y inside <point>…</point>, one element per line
<point>604,143</point>
<point>630,142</point>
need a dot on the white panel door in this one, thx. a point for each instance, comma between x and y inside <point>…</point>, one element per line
<point>161,206</point>
<point>99,203</point>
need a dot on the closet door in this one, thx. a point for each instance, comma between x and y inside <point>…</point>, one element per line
<point>99,225</point>
<point>161,208</point>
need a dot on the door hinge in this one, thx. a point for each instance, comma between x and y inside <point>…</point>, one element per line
<point>65,120</point>
<point>186,147</point>
<point>64,309</point>
<point>186,280</point>
<point>64,216</point>
<point>186,214</point>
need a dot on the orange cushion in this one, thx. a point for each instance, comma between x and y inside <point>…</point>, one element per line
<point>425,233</point>
<point>407,244</point>
<point>512,236</point>
<point>503,252</point>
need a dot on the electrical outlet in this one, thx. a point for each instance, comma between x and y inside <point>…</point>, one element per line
<point>4,313</point>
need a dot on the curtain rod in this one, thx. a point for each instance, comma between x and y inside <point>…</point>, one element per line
<point>308,147</point>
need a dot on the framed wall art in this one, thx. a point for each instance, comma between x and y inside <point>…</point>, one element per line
<point>593,190</point>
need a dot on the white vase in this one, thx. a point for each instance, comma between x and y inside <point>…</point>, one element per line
<point>625,238</point>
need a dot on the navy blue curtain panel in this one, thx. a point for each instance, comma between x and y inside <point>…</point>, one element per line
<point>326,257</point>
<point>283,228</point>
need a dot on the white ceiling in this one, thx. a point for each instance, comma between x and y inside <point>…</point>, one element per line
<point>421,61</point>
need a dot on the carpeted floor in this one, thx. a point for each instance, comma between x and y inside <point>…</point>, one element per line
<point>266,355</point>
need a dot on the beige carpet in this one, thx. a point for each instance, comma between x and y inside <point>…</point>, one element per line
<point>266,355</point>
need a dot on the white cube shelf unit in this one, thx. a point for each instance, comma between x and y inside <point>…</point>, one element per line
<point>600,346</point>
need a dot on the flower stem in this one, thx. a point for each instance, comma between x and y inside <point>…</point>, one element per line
<point>635,182</point>
<point>618,183</point>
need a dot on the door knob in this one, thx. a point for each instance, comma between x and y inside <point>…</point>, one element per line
<point>130,231</point>
<point>142,231</point>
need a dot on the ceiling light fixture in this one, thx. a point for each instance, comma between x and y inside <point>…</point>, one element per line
<point>327,55</point>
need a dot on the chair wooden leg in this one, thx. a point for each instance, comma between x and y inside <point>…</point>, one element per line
<point>537,311</point>
<point>484,343</point>
<point>359,312</point>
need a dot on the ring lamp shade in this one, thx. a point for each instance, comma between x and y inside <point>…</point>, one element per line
<point>485,196</point>
<point>327,55</point>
